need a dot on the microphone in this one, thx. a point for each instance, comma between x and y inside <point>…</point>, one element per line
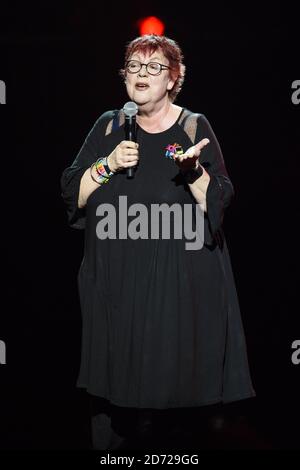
<point>130,110</point>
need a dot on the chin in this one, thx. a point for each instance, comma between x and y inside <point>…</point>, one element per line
<point>139,101</point>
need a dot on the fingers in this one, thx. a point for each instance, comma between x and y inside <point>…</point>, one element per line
<point>130,163</point>
<point>201,145</point>
<point>188,155</point>
<point>129,160</point>
<point>128,154</point>
<point>193,151</point>
<point>129,144</point>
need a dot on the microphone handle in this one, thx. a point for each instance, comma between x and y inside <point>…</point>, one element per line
<point>130,133</point>
<point>130,172</point>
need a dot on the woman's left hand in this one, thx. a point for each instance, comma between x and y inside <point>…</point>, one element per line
<point>188,160</point>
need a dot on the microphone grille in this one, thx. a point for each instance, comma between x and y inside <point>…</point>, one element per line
<point>130,108</point>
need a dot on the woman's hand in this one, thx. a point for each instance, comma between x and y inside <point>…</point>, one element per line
<point>188,160</point>
<point>125,155</point>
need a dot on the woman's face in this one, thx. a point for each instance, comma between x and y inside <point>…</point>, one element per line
<point>144,88</point>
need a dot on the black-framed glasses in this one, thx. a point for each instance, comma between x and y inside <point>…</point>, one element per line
<point>153,68</point>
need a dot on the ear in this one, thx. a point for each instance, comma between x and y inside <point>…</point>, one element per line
<point>170,84</point>
<point>172,80</point>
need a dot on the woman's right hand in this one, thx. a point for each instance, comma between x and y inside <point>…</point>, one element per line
<point>125,155</point>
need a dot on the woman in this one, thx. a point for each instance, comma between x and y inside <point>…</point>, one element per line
<point>161,323</point>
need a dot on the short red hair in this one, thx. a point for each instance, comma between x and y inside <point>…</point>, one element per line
<point>148,44</point>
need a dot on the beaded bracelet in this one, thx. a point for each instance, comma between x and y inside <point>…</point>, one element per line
<point>100,178</point>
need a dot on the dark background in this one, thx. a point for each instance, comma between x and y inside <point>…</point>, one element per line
<point>60,63</point>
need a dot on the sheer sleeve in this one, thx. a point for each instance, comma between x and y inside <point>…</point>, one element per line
<point>220,190</point>
<point>71,176</point>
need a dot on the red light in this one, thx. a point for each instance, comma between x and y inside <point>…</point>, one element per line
<point>151,25</point>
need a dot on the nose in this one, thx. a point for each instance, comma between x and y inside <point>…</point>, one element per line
<point>143,71</point>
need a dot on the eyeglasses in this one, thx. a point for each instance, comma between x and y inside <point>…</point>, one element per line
<point>153,68</point>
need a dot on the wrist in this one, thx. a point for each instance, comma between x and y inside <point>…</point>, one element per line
<point>110,164</point>
<point>198,167</point>
<point>193,174</point>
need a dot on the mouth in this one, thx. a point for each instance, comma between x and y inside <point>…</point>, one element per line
<point>141,86</point>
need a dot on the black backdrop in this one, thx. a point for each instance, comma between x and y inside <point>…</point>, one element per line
<point>60,61</point>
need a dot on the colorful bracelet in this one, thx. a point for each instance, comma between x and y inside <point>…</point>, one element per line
<point>102,167</point>
<point>100,178</point>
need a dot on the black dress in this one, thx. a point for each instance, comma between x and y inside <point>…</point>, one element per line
<point>161,324</point>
